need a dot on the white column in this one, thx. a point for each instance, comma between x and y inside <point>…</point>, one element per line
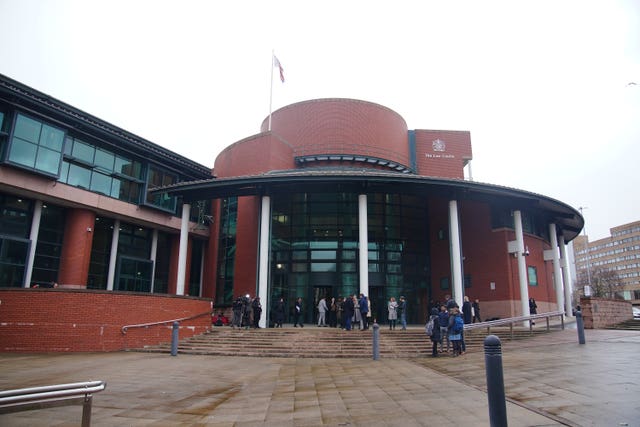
<point>557,271</point>
<point>566,274</point>
<point>33,236</point>
<point>363,244</point>
<point>113,257</point>
<point>455,252</point>
<point>182,252</point>
<point>152,257</point>
<point>263,258</point>
<point>522,265</point>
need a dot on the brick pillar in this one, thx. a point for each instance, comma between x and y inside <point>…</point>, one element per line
<point>76,248</point>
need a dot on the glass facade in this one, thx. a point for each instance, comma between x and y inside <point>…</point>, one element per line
<point>36,145</point>
<point>15,224</point>
<point>101,171</point>
<point>94,162</point>
<point>162,265</point>
<point>48,250</point>
<point>197,249</point>
<point>226,250</point>
<point>157,177</point>
<point>100,253</point>
<point>314,249</point>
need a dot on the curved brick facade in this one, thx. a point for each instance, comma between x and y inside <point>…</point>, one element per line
<point>342,126</point>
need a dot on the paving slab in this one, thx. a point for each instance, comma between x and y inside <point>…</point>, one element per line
<point>550,380</point>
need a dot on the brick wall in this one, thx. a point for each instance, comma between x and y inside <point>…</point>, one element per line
<point>73,320</point>
<point>601,312</point>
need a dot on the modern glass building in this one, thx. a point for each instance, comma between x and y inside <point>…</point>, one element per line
<point>337,197</point>
<point>75,207</point>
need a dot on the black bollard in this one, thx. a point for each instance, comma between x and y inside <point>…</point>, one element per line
<point>376,341</point>
<point>580,326</point>
<point>174,339</point>
<point>495,381</point>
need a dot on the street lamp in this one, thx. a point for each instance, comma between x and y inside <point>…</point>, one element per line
<point>586,242</point>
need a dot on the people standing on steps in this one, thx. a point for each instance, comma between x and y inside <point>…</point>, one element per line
<point>392,308</point>
<point>348,309</point>
<point>533,308</point>
<point>466,310</point>
<point>435,335</point>
<point>363,304</point>
<point>455,334</point>
<point>443,318</point>
<point>278,313</point>
<point>402,310</point>
<point>322,312</point>
<point>333,309</point>
<point>298,314</point>
<point>476,311</point>
<point>256,306</point>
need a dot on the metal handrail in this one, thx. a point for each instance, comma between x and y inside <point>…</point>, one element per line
<point>26,399</point>
<point>162,322</point>
<point>511,320</point>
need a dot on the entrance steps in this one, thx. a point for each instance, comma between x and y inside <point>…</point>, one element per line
<point>316,342</point>
<point>629,325</point>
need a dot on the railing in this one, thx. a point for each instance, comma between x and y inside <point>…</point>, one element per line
<point>162,322</point>
<point>512,320</point>
<point>27,399</point>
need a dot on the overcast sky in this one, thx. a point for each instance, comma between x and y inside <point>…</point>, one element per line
<point>543,86</point>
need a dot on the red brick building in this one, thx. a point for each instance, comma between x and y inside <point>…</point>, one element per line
<point>338,197</point>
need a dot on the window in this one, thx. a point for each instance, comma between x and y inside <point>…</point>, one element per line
<point>36,145</point>
<point>134,275</point>
<point>467,280</point>
<point>158,178</point>
<point>444,283</point>
<point>15,216</point>
<point>13,253</point>
<point>101,171</point>
<point>49,248</point>
<point>532,272</point>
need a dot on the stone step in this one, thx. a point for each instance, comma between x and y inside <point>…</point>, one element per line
<point>629,325</point>
<point>323,342</point>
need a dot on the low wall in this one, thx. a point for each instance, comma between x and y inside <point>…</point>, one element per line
<point>73,320</point>
<point>601,312</point>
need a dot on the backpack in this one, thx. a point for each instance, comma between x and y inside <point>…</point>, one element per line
<point>428,329</point>
<point>458,325</point>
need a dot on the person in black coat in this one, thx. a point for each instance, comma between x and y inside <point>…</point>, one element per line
<point>466,310</point>
<point>435,335</point>
<point>298,316</point>
<point>278,313</point>
<point>349,308</point>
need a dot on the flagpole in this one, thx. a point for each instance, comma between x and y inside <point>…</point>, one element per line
<point>271,89</point>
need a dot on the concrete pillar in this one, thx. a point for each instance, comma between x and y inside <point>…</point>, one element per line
<point>263,258</point>
<point>363,244</point>
<point>33,236</point>
<point>455,253</point>
<point>522,265</point>
<point>113,258</point>
<point>182,251</point>
<point>557,271</point>
<point>566,274</point>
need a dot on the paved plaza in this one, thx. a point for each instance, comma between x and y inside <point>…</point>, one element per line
<point>550,380</point>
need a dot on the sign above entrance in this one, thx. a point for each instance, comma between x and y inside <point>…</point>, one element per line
<point>439,146</point>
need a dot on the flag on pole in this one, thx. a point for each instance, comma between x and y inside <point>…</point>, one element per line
<point>276,63</point>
